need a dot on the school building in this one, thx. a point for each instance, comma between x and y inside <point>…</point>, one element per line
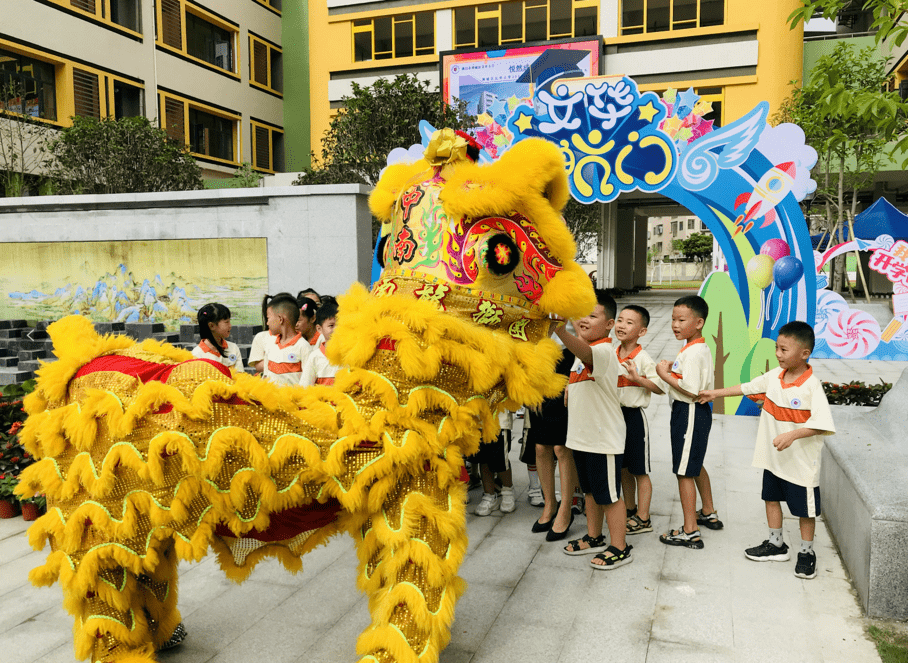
<point>215,73</point>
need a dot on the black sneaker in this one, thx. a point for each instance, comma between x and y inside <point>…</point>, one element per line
<point>767,552</point>
<point>807,565</point>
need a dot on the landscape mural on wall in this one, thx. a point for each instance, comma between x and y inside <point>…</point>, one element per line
<point>163,281</point>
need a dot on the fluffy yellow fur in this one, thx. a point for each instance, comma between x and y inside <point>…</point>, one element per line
<point>130,496</point>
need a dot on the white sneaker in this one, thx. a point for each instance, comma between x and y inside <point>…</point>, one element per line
<point>535,498</point>
<point>488,503</point>
<point>507,500</point>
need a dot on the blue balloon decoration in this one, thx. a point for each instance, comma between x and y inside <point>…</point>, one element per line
<point>682,112</point>
<point>787,271</point>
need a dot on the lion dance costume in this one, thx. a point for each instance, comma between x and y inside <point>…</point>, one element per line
<point>148,456</point>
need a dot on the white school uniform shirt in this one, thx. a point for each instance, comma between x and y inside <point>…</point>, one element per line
<point>233,359</point>
<point>595,421</point>
<point>693,368</point>
<point>284,360</point>
<point>630,393</point>
<point>317,369</point>
<point>260,343</point>
<point>789,406</point>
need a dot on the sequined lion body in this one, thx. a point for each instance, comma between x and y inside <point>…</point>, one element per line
<point>148,457</point>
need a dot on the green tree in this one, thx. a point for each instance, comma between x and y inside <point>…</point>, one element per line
<point>373,121</point>
<point>887,15</point>
<point>853,124</point>
<point>127,155</point>
<point>21,142</point>
<point>698,247</point>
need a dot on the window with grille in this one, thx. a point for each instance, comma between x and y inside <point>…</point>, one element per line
<point>267,148</point>
<point>207,131</point>
<point>265,65</point>
<point>209,39</point>
<point>645,16</point>
<point>86,94</point>
<point>388,37</point>
<point>523,21</point>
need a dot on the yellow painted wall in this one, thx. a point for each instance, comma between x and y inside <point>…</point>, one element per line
<point>780,55</point>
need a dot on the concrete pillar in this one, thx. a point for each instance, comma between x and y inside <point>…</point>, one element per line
<point>608,245</point>
<point>624,258</point>
<point>641,225</point>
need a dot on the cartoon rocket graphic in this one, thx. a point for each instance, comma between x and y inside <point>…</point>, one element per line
<point>769,192</point>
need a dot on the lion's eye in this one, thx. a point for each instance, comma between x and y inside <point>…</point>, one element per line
<point>502,254</point>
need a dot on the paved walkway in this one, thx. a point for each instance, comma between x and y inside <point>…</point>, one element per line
<point>526,601</point>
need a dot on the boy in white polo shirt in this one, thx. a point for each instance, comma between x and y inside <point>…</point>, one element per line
<point>596,434</point>
<point>637,382</point>
<point>794,420</point>
<point>284,357</point>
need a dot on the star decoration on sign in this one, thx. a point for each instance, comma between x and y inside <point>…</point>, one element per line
<point>688,98</point>
<point>647,112</point>
<point>524,122</point>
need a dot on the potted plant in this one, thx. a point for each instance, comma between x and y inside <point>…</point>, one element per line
<point>33,507</point>
<point>13,456</point>
<point>9,507</point>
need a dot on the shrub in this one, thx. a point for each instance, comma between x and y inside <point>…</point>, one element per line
<point>855,393</point>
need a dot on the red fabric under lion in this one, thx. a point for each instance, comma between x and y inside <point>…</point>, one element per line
<point>288,523</point>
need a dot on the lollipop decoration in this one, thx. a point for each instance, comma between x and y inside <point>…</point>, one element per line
<point>853,334</point>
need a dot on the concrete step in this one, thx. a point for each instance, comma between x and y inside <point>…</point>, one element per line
<point>14,376</point>
<point>11,324</point>
<point>31,366</point>
<point>9,362</point>
<point>110,327</point>
<point>142,330</point>
<point>31,355</point>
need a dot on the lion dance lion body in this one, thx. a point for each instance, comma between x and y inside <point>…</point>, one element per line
<point>148,457</point>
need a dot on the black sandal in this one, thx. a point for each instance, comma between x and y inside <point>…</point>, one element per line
<point>612,558</point>
<point>596,545</point>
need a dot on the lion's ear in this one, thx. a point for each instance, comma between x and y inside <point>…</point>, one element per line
<point>393,180</point>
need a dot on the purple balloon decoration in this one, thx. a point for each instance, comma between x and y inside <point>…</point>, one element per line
<point>775,248</point>
<point>787,271</point>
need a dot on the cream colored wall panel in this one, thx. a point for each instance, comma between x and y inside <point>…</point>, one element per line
<point>688,58</point>
<point>338,89</point>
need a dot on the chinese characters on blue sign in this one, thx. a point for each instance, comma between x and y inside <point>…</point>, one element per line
<point>608,133</point>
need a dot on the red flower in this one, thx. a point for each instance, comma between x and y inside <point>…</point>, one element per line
<point>14,459</point>
<point>2,476</point>
<point>15,427</point>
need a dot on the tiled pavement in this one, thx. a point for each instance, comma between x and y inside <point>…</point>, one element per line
<point>526,601</point>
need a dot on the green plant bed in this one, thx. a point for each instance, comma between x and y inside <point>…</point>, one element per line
<point>856,393</point>
<point>890,643</point>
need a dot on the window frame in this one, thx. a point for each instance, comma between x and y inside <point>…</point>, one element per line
<point>253,38</point>
<point>64,88</point>
<point>407,17</point>
<point>103,17</point>
<point>236,118</point>
<point>494,11</point>
<point>205,15</point>
<point>642,28</point>
<point>267,5</point>
<point>253,125</point>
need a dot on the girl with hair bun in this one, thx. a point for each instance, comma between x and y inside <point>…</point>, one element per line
<point>214,330</point>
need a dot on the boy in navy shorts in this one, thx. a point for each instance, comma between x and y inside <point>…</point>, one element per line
<point>794,420</point>
<point>637,382</point>
<point>596,434</point>
<point>691,373</point>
